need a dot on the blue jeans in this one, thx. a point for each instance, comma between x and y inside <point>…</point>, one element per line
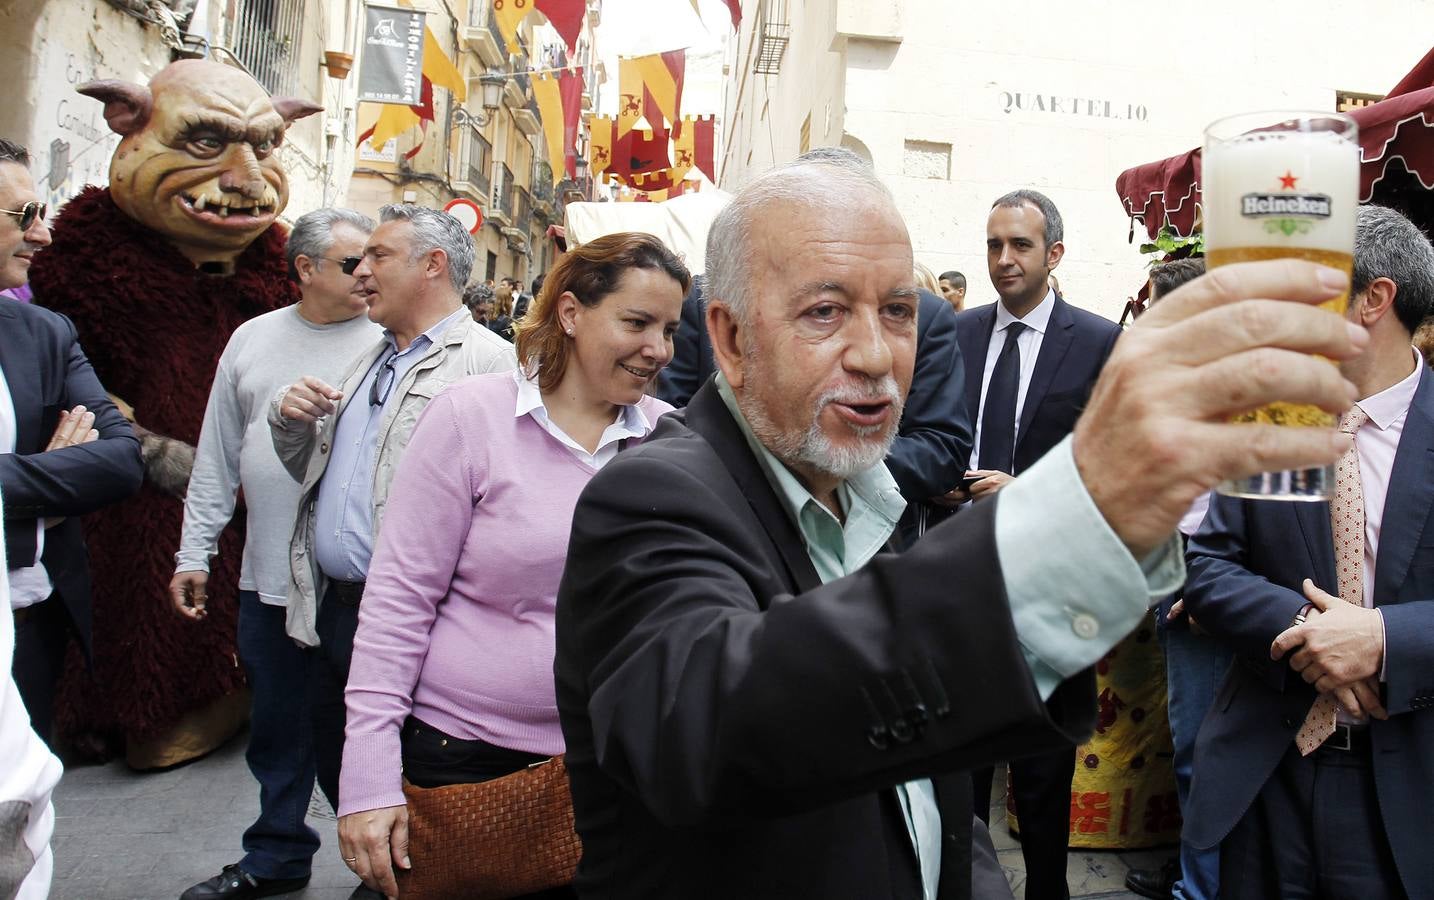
<point>1195,666</point>
<point>281,753</point>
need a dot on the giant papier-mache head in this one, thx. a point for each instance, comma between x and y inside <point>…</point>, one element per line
<point>197,161</point>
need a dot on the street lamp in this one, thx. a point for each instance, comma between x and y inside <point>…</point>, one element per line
<point>491,88</point>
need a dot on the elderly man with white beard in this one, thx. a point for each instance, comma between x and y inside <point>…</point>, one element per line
<point>757,702</point>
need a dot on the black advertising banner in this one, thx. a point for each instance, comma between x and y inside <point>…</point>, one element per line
<point>392,67</point>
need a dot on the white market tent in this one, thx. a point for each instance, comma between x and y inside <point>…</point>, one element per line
<point>681,223</point>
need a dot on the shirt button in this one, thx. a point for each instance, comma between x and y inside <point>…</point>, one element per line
<point>1085,626</point>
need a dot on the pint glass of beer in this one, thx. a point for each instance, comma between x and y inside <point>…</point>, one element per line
<point>1282,185</point>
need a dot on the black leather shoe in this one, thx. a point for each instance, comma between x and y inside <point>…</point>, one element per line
<point>1157,884</point>
<point>233,883</point>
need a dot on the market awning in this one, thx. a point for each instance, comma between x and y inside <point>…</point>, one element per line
<point>1397,128</point>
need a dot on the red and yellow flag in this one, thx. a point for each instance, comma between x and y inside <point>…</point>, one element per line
<point>662,77</point>
<point>601,131</point>
<point>631,97</point>
<point>693,146</point>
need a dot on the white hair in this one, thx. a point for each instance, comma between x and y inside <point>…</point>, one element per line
<point>824,180</point>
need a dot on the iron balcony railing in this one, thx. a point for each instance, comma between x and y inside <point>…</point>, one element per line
<point>523,210</point>
<point>480,155</point>
<point>503,189</point>
<point>542,183</point>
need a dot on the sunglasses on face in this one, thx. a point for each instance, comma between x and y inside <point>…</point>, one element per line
<point>348,265</point>
<point>28,213</point>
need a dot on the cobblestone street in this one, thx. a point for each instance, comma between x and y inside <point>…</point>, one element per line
<point>120,835</point>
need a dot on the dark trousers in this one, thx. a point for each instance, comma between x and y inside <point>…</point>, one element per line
<point>279,844</point>
<point>42,633</point>
<point>328,675</point>
<point>1314,831</point>
<point>1041,789</point>
<point>433,759</point>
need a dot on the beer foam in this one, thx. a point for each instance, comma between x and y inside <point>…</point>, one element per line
<point>1281,189</point>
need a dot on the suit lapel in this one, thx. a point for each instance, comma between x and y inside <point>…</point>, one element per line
<point>1060,332</point>
<point>708,416</point>
<point>22,375</point>
<point>973,349</point>
<point>1410,494</point>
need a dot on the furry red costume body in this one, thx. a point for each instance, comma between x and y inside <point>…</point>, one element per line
<point>154,327</point>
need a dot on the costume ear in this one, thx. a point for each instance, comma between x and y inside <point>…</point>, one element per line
<point>292,108</point>
<point>127,105</point>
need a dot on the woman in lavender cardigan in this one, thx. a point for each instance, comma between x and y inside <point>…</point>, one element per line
<point>452,675</point>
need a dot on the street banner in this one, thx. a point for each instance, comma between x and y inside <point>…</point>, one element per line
<point>550,107</point>
<point>570,88</point>
<point>508,13</point>
<point>662,76</point>
<point>566,17</point>
<point>601,131</point>
<point>694,145</point>
<point>392,66</point>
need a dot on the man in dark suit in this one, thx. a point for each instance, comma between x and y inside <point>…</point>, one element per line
<point>1031,361</point>
<point>64,451</point>
<point>934,439</point>
<point>1314,770</point>
<point>756,702</point>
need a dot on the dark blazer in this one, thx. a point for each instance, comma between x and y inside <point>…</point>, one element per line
<point>48,373</point>
<point>1246,563</point>
<point>1073,351</point>
<point>692,361</point>
<point>734,726</point>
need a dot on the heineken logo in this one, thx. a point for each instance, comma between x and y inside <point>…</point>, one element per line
<point>1286,210</point>
<point>1316,205</point>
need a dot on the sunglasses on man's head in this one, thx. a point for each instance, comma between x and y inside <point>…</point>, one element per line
<point>28,213</point>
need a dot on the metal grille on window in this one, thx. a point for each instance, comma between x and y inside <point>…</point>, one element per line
<point>266,37</point>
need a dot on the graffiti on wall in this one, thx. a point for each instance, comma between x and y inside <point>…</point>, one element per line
<point>71,143</point>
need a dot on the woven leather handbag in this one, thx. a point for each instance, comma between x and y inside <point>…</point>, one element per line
<point>491,840</point>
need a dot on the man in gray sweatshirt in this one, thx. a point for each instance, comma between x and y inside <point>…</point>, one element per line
<point>321,335</point>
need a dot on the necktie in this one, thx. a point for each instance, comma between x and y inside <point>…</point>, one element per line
<point>998,418</point>
<point>1346,519</point>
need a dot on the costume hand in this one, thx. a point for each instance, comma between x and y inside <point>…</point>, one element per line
<point>992,480</point>
<point>1342,645</point>
<point>372,842</point>
<point>308,400</point>
<point>76,427</point>
<point>1157,432</point>
<point>189,591</point>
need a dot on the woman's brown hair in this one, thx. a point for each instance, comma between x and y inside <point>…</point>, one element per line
<point>591,271</point>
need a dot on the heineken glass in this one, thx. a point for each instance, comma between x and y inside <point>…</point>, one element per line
<point>1282,185</point>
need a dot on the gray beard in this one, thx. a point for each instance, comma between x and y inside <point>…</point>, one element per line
<point>813,449</point>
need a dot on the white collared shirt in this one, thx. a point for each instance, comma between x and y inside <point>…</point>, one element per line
<point>30,584</point>
<point>1377,443</point>
<point>1029,343</point>
<point>631,422</point>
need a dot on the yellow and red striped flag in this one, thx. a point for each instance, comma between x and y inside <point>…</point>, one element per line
<point>662,77</point>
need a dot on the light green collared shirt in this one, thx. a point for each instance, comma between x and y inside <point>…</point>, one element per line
<point>1073,587</point>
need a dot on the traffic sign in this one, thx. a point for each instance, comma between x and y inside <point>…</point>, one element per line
<point>468,213</point>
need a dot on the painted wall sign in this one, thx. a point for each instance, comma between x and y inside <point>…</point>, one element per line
<point>1066,104</point>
